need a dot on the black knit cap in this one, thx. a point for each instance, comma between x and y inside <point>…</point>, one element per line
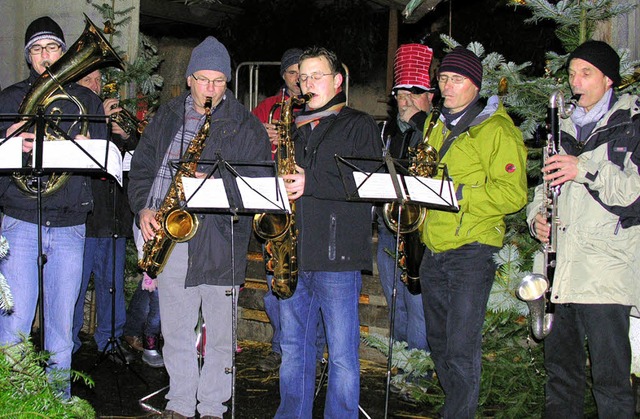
<point>42,28</point>
<point>464,62</point>
<point>602,56</point>
<point>290,57</point>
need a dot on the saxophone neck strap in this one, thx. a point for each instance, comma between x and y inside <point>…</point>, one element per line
<point>463,125</point>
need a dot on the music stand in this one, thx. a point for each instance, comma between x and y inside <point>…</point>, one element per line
<point>400,186</point>
<point>231,193</point>
<point>70,155</point>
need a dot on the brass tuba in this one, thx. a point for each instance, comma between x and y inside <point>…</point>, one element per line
<point>279,230</point>
<point>424,160</point>
<point>535,289</point>
<point>177,225</point>
<point>89,52</point>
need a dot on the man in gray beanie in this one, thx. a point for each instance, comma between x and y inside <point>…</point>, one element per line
<point>64,212</point>
<point>486,158</point>
<point>198,273</point>
<point>595,281</point>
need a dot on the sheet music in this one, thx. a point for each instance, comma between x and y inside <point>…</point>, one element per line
<point>260,193</point>
<point>378,185</point>
<point>210,195</point>
<point>431,191</point>
<point>126,160</point>
<point>67,155</point>
<point>11,153</point>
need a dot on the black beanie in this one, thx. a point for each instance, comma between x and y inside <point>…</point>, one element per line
<point>602,56</point>
<point>464,62</point>
<point>42,28</point>
<point>290,57</point>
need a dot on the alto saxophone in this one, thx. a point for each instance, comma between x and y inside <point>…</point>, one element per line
<point>424,162</point>
<point>535,288</point>
<point>177,225</point>
<point>279,230</point>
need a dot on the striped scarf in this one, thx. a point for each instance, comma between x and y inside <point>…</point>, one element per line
<point>192,123</point>
<point>313,116</point>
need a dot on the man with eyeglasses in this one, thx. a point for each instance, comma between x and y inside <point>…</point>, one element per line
<point>413,93</point>
<point>334,243</point>
<point>289,73</point>
<point>64,213</point>
<point>486,158</point>
<point>198,275</point>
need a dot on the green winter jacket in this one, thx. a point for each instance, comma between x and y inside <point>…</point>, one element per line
<point>487,164</point>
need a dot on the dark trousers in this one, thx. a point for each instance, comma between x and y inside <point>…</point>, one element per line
<point>455,290</point>
<point>606,327</point>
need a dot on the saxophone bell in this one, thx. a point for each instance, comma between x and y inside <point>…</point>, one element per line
<point>533,290</point>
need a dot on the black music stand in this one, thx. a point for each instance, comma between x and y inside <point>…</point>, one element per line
<point>225,191</point>
<point>394,185</point>
<point>84,161</point>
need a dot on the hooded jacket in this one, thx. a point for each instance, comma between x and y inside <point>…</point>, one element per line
<point>237,136</point>
<point>598,236</point>
<point>487,163</point>
<point>70,204</point>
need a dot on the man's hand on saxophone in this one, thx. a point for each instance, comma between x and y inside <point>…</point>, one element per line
<point>148,223</point>
<point>294,183</point>
<point>541,228</point>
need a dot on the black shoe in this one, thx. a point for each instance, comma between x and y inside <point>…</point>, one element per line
<point>270,363</point>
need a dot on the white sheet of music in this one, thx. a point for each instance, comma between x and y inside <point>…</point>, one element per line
<point>431,191</point>
<point>261,193</point>
<point>210,195</point>
<point>126,160</point>
<point>67,155</point>
<point>378,185</point>
<point>11,153</point>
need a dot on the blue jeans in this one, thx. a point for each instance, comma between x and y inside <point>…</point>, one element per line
<point>64,247</point>
<point>335,295</point>
<point>606,329</point>
<point>272,308</point>
<point>455,290</point>
<point>98,260</point>
<point>409,324</point>
<point>143,314</point>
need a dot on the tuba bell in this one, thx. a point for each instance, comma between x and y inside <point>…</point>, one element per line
<point>91,51</point>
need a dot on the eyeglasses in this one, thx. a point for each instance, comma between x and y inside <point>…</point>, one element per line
<point>37,49</point>
<point>456,79</point>
<point>203,81</point>
<point>292,73</point>
<point>407,96</point>
<point>314,76</point>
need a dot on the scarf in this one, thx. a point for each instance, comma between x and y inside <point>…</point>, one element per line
<point>180,143</point>
<point>313,116</point>
<point>586,121</point>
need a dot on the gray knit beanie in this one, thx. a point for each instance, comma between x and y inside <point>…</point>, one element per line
<point>42,28</point>
<point>290,57</point>
<point>210,55</point>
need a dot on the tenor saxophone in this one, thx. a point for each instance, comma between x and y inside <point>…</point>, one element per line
<point>424,161</point>
<point>279,230</point>
<point>177,224</point>
<point>535,288</point>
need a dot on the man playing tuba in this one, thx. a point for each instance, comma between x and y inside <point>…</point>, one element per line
<point>64,213</point>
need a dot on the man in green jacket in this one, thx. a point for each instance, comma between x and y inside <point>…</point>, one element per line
<point>595,286</point>
<point>486,158</point>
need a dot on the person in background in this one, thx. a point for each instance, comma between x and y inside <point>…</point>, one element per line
<point>289,73</point>
<point>334,243</point>
<point>413,93</point>
<point>110,221</point>
<point>64,213</point>
<point>486,159</point>
<point>595,285</point>
<point>198,275</point>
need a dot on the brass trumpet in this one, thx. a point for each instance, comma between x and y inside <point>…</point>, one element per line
<point>125,119</point>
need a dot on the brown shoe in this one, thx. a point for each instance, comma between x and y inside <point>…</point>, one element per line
<point>135,342</point>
